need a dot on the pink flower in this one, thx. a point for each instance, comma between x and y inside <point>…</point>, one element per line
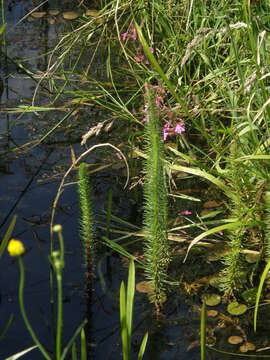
<point>139,58</point>
<point>166,129</point>
<point>179,128</point>
<point>145,111</point>
<point>185,213</point>
<point>158,100</point>
<point>151,50</point>
<point>133,35</point>
<point>124,36</point>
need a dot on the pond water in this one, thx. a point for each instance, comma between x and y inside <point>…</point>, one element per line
<point>29,182</point>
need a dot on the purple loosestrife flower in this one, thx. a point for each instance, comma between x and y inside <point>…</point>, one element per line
<point>166,129</point>
<point>179,128</point>
<point>124,36</point>
<point>185,213</point>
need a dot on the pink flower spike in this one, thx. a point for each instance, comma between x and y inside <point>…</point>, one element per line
<point>179,128</point>
<point>124,36</point>
<point>133,35</point>
<point>185,213</point>
<point>165,130</point>
<point>139,58</point>
<point>158,100</point>
<point>151,50</point>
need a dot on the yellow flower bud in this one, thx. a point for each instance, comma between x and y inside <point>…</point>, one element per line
<point>15,247</point>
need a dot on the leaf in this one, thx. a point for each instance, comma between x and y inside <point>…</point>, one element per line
<point>123,322</point>
<point>235,340</point>
<point>143,346</point>
<point>236,309</point>
<point>7,236</point>
<point>130,300</point>
<point>265,272</point>
<point>21,353</point>
<point>83,346</point>
<point>195,241</point>
<point>211,299</point>
<point>203,330</point>
<point>7,326</point>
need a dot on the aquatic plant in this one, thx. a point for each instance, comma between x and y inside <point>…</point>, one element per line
<point>87,219</point>
<point>16,249</point>
<point>126,315</point>
<point>156,250</point>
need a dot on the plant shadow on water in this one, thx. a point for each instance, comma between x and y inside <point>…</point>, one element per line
<point>29,182</point>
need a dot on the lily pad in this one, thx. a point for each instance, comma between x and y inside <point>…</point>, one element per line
<point>216,282</point>
<point>250,295</point>
<point>53,12</point>
<point>70,15</point>
<point>38,14</point>
<point>252,257</point>
<point>211,299</point>
<point>93,13</point>
<point>247,347</point>
<point>235,340</point>
<point>212,313</point>
<point>236,309</point>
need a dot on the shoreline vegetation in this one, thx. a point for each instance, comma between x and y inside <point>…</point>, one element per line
<point>185,101</point>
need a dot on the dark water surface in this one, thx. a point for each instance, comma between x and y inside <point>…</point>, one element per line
<point>28,186</point>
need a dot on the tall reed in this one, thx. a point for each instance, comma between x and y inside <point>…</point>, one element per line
<point>155,207</point>
<point>87,220</point>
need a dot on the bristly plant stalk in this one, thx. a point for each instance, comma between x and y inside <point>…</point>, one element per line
<point>87,219</point>
<point>155,207</point>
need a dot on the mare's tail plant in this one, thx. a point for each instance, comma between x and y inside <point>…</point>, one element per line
<point>155,207</point>
<point>87,219</point>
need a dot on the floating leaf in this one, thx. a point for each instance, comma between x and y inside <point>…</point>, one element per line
<point>211,299</point>
<point>51,20</point>
<point>235,340</point>
<point>252,257</point>
<point>235,308</point>
<point>70,15</point>
<point>247,347</point>
<point>38,14</point>
<point>93,13</point>
<point>216,282</point>
<point>53,12</point>
<point>212,313</point>
<point>249,295</point>
<point>211,204</point>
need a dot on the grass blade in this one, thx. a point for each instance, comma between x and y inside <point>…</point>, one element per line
<point>7,236</point>
<point>21,353</point>
<point>265,272</point>
<point>83,346</point>
<point>130,301</point>
<point>143,346</point>
<point>123,322</point>
<point>203,331</point>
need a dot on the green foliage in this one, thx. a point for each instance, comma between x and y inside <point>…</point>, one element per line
<point>87,218</point>
<point>203,330</point>
<point>156,250</point>
<point>126,315</point>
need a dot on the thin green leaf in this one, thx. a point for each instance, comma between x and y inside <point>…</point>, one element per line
<point>130,300</point>
<point>21,353</point>
<point>265,272</point>
<point>83,346</point>
<point>143,346</point>
<point>123,322</point>
<point>203,331</point>
<point>7,326</point>
<point>72,340</point>
<point>74,351</point>
<point>7,236</point>
<point>212,231</point>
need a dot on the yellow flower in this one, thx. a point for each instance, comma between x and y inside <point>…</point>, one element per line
<point>15,247</point>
